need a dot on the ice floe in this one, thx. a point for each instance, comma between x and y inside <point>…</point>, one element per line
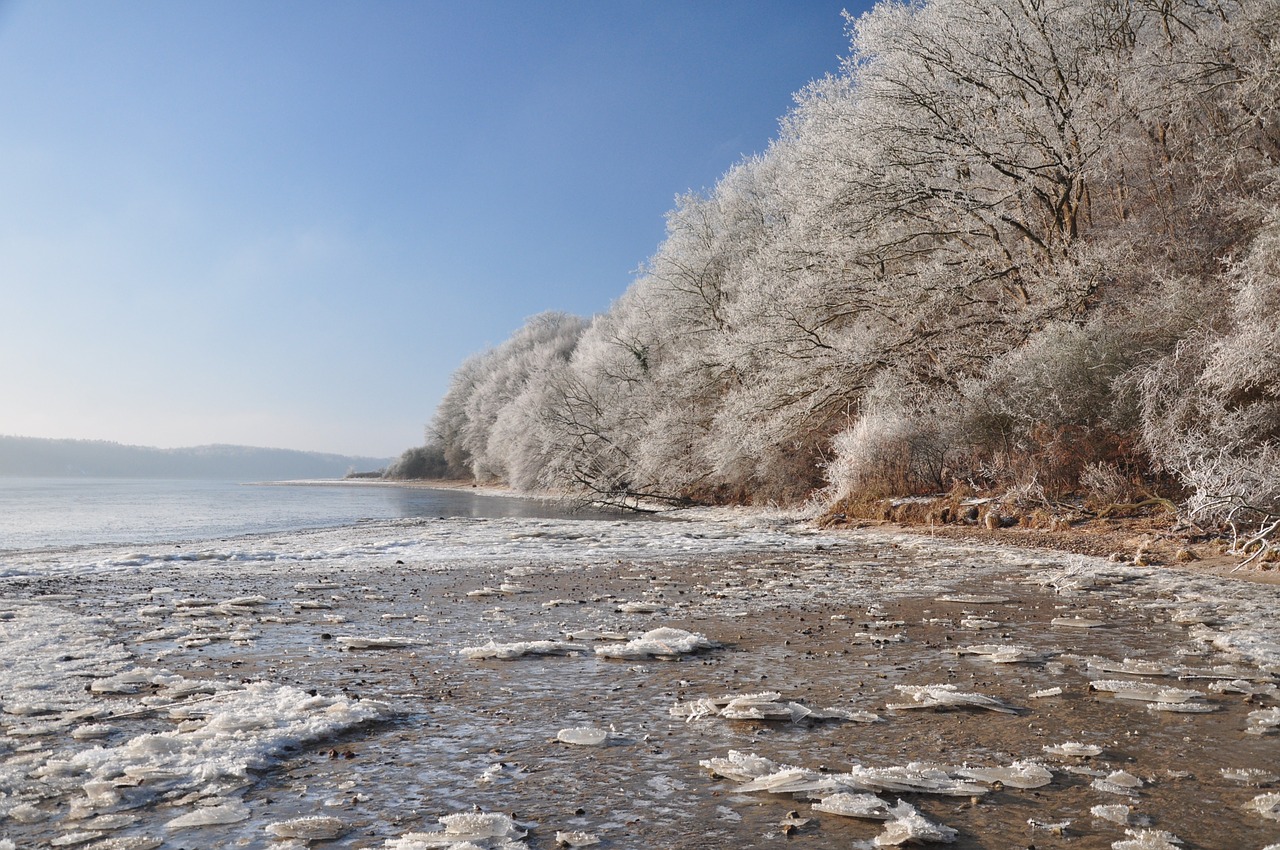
<point>1117,782</point>
<point>973,599</point>
<point>213,812</point>
<point>1001,653</point>
<point>762,774</point>
<point>850,805</point>
<point>519,649</point>
<point>314,828</point>
<point>1115,813</point>
<point>1249,775</point>
<point>1263,721</point>
<point>946,696</point>
<point>664,643</point>
<point>1130,667</point>
<point>465,831</point>
<point>1073,748</point>
<point>1267,805</point>
<point>1145,691</point>
<point>587,736</point>
<point>767,705</point>
<point>1021,774</point>
<point>1242,686</point>
<point>1147,839</point>
<point>1077,622</point>
<point>907,825</point>
<point>375,642</point>
<point>210,753</point>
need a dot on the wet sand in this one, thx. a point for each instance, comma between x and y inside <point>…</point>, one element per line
<point>828,620</point>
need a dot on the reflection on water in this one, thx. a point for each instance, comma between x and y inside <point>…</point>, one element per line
<point>463,502</point>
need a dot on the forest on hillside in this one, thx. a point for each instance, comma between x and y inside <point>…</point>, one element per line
<point>41,457</point>
<point>1014,246</point>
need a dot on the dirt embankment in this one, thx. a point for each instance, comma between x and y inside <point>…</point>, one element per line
<point>1146,534</point>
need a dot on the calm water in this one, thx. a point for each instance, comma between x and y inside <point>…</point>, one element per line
<point>40,513</point>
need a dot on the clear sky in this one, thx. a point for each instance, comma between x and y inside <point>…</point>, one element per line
<point>286,223</point>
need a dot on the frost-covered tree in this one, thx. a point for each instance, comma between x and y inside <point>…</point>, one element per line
<point>1211,409</point>
<point>1012,242</point>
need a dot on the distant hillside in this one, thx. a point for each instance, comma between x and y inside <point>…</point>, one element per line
<point>32,456</point>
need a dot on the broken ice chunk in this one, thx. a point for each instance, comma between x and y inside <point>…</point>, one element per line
<point>307,828</point>
<point>576,839</point>
<point>588,736</point>
<point>88,731</point>
<point>1249,775</point>
<point>463,830</point>
<point>353,642</point>
<point>1021,774</point>
<point>1130,667</point>
<point>1117,782</point>
<point>867,806</point>
<point>973,599</point>
<point>470,826</point>
<point>740,766</point>
<point>763,706</point>
<point>1183,707</point>
<point>508,651</point>
<point>1267,805</point>
<point>230,811</point>
<point>1263,721</point>
<point>1074,748</point>
<point>666,643</point>
<point>979,623</point>
<point>1047,692</point>
<point>940,696</point>
<point>245,602</point>
<point>640,608</point>
<point>909,825</point>
<point>1115,813</point>
<point>1242,686</point>
<point>1144,691</point>
<point>1076,622</point>
<point>791,780</point>
<point>1147,839</point>
<point>1001,653</point>
<point>913,777</point>
<point>696,709</point>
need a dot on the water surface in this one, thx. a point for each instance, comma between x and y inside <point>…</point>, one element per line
<point>54,513</point>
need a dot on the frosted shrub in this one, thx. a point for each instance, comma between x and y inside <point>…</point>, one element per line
<point>1211,409</point>
<point>886,452</point>
<point>420,462</point>
<point>1048,410</point>
<point>1105,484</point>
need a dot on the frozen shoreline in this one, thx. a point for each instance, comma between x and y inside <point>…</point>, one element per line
<point>111,652</point>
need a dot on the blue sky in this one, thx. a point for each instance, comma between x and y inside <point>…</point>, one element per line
<point>286,223</point>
